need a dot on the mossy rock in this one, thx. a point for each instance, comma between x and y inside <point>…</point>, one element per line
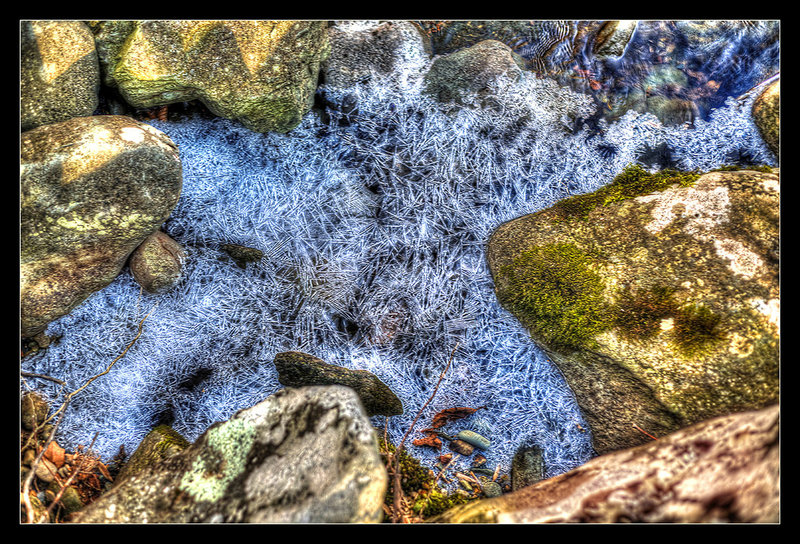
<point>657,296</point>
<point>159,444</point>
<point>767,115</point>
<point>261,73</point>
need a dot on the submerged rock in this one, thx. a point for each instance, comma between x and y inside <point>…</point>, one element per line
<point>656,296</point>
<point>474,73</point>
<point>725,469</point>
<point>59,72</point>
<point>261,73</point>
<point>305,455</point>
<point>92,189</point>
<point>296,369</point>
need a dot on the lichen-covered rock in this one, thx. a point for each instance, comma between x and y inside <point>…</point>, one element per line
<point>159,444</point>
<point>726,469</point>
<point>59,72</point>
<point>474,73</point>
<point>261,73</point>
<point>767,115</point>
<point>305,455</point>
<point>92,189</point>
<point>157,263</point>
<point>657,296</point>
<point>296,369</point>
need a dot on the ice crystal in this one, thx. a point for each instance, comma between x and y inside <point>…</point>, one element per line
<point>373,233</point>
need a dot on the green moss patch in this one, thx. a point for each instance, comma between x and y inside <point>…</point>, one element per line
<point>638,314</point>
<point>632,182</point>
<point>697,330</point>
<point>555,292</point>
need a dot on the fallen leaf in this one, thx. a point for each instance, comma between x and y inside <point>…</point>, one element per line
<point>430,440</point>
<point>452,414</point>
<point>55,454</point>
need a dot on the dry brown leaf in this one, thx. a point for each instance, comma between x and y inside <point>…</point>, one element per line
<point>430,440</point>
<point>55,454</point>
<point>452,414</point>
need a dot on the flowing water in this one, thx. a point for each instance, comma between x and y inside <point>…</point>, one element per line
<point>374,225</point>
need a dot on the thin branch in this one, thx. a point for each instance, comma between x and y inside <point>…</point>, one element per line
<point>42,376</point>
<point>396,485</point>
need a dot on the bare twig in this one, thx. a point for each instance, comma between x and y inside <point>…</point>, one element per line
<point>42,376</point>
<point>396,485</point>
<point>60,413</point>
<point>65,485</point>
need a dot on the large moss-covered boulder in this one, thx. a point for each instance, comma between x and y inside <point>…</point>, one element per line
<point>723,470</point>
<point>261,73</point>
<point>91,190</point>
<point>59,72</point>
<point>657,296</point>
<point>767,115</point>
<point>306,455</point>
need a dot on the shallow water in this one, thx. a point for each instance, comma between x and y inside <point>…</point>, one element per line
<point>374,229</point>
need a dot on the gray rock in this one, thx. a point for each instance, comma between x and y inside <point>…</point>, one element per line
<point>306,455</point>
<point>297,369</point>
<point>59,72</point>
<point>726,469</point>
<point>661,310</point>
<point>472,75</point>
<point>157,263</point>
<point>92,189</point>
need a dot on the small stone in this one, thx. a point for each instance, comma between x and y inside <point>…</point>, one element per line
<point>33,410</point>
<point>28,456</point>
<point>297,369</point>
<point>157,263</point>
<point>492,489</point>
<point>242,255</point>
<point>459,446</point>
<point>527,467</point>
<point>46,471</point>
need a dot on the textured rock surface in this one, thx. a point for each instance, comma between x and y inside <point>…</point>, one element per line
<point>721,470</point>
<point>261,73</point>
<point>296,369</point>
<point>157,263</point>
<point>767,115</point>
<point>660,310</point>
<point>59,72</point>
<point>159,444</point>
<point>92,189</point>
<point>476,71</point>
<point>304,455</point>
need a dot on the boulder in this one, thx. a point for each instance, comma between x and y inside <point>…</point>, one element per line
<point>59,72</point>
<point>657,296</point>
<point>726,469</point>
<point>92,189</point>
<point>261,73</point>
<point>472,74</point>
<point>160,443</point>
<point>767,115</point>
<point>305,455</point>
<point>296,369</point>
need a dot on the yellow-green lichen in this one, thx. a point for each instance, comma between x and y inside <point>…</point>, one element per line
<point>697,330</point>
<point>632,182</point>
<point>556,293</point>
<point>223,460</point>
